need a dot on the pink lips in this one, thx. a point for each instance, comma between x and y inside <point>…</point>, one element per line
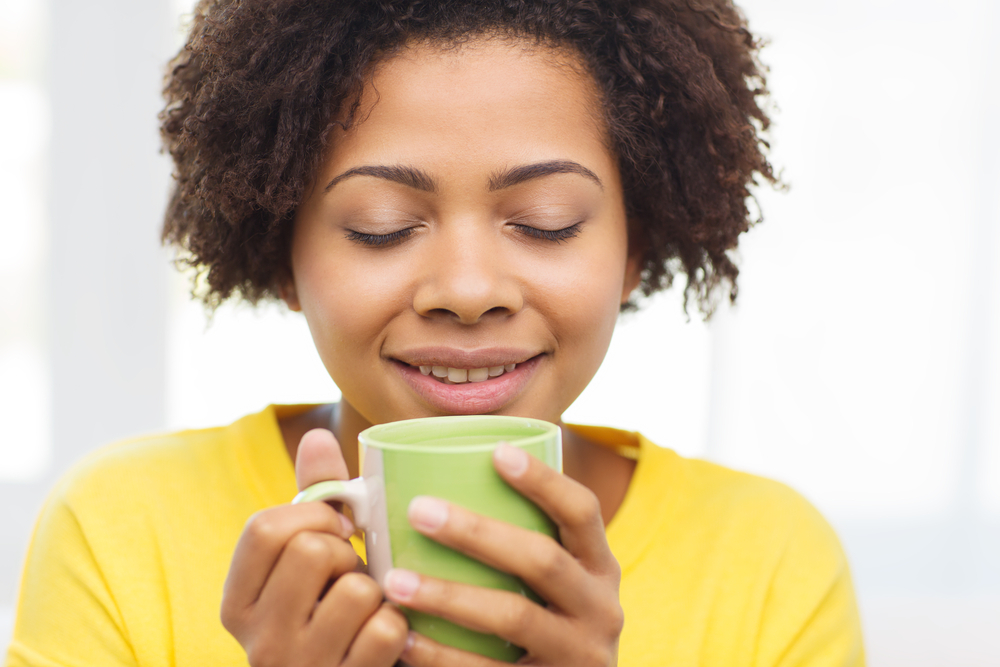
<point>471,398</point>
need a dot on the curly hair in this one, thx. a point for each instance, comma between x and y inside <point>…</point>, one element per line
<point>252,96</point>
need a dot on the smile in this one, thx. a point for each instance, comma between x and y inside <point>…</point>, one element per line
<point>450,375</point>
<point>451,382</point>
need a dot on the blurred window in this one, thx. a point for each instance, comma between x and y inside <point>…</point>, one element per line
<point>25,446</point>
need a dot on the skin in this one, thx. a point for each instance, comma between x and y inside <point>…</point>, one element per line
<point>470,277</point>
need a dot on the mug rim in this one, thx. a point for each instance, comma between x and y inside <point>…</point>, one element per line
<point>370,437</point>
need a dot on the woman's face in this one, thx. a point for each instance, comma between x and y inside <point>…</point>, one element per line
<point>472,225</point>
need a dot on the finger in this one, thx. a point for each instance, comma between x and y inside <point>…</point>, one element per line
<point>572,506</point>
<point>548,568</point>
<point>424,652</point>
<point>318,459</point>
<point>381,639</point>
<point>508,615</point>
<point>352,599</point>
<point>263,539</point>
<point>309,561</point>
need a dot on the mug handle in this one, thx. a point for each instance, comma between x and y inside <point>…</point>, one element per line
<point>352,492</point>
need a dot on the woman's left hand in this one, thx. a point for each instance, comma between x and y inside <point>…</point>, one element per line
<point>578,579</point>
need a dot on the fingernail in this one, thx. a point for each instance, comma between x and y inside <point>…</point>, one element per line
<point>427,513</point>
<point>511,460</point>
<point>346,523</point>
<point>400,585</point>
<point>411,639</point>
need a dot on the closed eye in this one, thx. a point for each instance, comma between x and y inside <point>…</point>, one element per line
<point>379,240</point>
<point>556,235</point>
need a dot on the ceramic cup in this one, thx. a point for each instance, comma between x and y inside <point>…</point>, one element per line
<point>449,458</point>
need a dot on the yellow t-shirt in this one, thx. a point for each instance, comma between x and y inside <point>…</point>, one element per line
<point>128,559</point>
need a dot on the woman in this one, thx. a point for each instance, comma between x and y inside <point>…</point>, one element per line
<point>460,197</point>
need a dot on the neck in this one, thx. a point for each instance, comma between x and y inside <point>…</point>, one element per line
<point>346,423</point>
<point>340,418</point>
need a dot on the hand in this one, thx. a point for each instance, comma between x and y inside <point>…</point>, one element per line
<point>578,579</point>
<point>295,593</point>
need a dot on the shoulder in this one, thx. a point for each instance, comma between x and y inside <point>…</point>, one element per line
<point>249,451</point>
<point>160,503</point>
<point>777,545</point>
<point>142,528</point>
<point>762,510</point>
<point>759,560</point>
<point>177,481</point>
<point>744,529</point>
<point>147,464</point>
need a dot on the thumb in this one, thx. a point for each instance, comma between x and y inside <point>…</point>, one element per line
<point>318,459</point>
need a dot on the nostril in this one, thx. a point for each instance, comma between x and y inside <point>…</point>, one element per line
<point>445,313</point>
<point>467,300</point>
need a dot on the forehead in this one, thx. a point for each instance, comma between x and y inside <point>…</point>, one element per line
<point>487,99</point>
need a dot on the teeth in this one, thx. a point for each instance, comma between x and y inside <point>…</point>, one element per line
<point>462,375</point>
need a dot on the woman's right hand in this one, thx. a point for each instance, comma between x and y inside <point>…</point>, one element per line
<point>296,593</point>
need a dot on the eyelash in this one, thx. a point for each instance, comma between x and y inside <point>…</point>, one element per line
<point>392,238</point>
<point>556,235</point>
<point>380,240</point>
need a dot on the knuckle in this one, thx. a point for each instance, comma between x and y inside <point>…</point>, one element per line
<point>358,589</point>
<point>585,509</point>
<point>600,648</point>
<point>469,527</point>
<point>263,527</point>
<point>540,474</point>
<point>600,655</point>
<point>263,653</point>
<point>310,546</point>
<point>429,653</point>
<point>344,559</point>
<point>388,626</point>
<point>616,619</point>
<point>612,571</point>
<point>551,561</point>
<point>515,618</point>
<point>230,616</point>
<point>323,551</point>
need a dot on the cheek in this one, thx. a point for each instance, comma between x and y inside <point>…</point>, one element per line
<point>590,315</point>
<point>346,306</point>
<point>582,304</point>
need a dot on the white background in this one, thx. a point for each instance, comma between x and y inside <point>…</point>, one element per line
<point>861,366</point>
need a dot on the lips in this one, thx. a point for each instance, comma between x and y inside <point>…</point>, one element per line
<point>462,396</point>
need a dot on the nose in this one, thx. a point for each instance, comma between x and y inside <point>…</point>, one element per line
<point>467,279</point>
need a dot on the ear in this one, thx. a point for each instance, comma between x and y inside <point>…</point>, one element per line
<point>633,274</point>
<point>288,294</point>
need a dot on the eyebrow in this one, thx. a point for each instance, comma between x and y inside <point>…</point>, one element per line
<point>419,180</point>
<point>515,175</point>
<point>408,176</point>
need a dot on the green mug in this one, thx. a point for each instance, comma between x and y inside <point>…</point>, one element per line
<point>449,458</point>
